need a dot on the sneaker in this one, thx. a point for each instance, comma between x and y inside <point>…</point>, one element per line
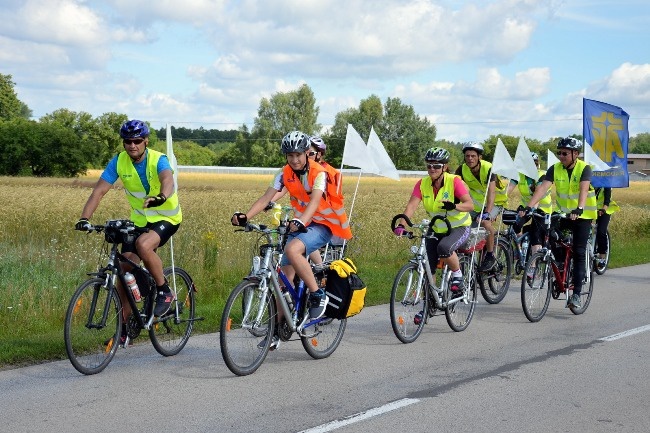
<point>529,276</point>
<point>488,263</point>
<point>317,302</point>
<point>164,300</point>
<point>575,301</point>
<point>275,343</point>
<point>417,319</point>
<point>602,263</point>
<point>457,287</point>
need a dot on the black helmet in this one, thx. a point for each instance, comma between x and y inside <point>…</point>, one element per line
<point>473,145</point>
<point>134,129</point>
<point>569,143</point>
<point>295,141</point>
<point>437,154</point>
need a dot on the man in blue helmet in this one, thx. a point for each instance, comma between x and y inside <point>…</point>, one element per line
<point>149,185</point>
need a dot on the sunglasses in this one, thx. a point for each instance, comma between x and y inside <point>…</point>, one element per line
<point>560,153</point>
<point>312,153</point>
<point>435,166</point>
<point>133,141</point>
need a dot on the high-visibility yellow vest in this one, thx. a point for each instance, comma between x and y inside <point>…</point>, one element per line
<point>433,204</point>
<point>545,204</point>
<point>568,190</point>
<point>135,192</point>
<point>477,187</point>
<point>600,202</point>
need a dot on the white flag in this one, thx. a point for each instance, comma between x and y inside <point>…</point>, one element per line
<point>378,153</point>
<point>502,162</point>
<point>592,159</point>
<point>355,152</point>
<point>552,159</point>
<point>524,160</point>
<point>172,157</point>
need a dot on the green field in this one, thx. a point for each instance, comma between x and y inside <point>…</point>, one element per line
<point>43,259</point>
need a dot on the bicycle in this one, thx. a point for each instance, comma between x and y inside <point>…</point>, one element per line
<point>600,265</point>
<point>93,321</point>
<point>415,297</point>
<point>548,278</point>
<point>249,317</point>
<point>495,282</point>
<point>518,244</point>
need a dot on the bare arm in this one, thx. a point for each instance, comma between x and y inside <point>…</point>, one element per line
<point>540,191</point>
<point>410,208</point>
<point>99,191</point>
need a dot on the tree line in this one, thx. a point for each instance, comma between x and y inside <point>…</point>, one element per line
<point>67,143</point>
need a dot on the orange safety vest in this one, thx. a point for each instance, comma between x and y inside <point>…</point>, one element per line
<point>327,214</point>
<point>334,185</point>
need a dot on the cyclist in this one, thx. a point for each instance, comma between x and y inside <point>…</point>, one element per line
<point>606,207</point>
<point>576,197</point>
<point>527,186</point>
<point>148,183</point>
<point>478,176</point>
<point>316,218</point>
<point>443,194</point>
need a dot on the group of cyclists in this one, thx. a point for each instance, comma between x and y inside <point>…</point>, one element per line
<point>473,195</point>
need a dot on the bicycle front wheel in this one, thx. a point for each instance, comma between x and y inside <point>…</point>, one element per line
<point>323,338</point>
<point>496,282</point>
<point>601,266</point>
<point>460,313</point>
<point>93,324</point>
<point>536,286</point>
<point>247,324</point>
<point>408,304</point>
<point>170,333</point>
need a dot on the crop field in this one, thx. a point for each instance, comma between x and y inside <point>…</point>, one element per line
<point>43,259</point>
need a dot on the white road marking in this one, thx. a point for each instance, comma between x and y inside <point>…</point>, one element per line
<point>626,333</point>
<point>333,425</point>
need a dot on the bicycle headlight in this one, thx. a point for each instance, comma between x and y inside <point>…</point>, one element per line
<point>415,249</point>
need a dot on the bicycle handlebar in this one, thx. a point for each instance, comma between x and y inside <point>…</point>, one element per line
<point>430,227</point>
<point>121,226</point>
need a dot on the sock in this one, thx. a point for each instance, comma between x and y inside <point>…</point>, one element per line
<point>456,273</point>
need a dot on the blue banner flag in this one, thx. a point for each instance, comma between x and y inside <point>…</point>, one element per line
<point>605,130</point>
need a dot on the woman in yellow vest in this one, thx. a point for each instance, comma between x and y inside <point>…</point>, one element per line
<point>443,194</point>
<point>148,182</point>
<point>576,198</point>
<point>315,219</point>
<point>606,207</point>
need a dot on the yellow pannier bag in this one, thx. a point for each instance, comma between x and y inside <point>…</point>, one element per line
<point>346,290</point>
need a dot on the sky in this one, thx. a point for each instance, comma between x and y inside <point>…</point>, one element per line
<point>473,68</point>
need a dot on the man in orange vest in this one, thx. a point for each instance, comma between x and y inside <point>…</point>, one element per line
<point>315,218</point>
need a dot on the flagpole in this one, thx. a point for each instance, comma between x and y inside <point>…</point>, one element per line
<point>174,165</point>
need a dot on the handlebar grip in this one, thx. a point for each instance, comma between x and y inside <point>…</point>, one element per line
<point>397,217</point>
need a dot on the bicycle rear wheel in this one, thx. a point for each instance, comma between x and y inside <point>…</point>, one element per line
<point>247,323</point>
<point>407,299</point>
<point>496,282</point>
<point>460,313</point>
<point>536,286</point>
<point>323,338</point>
<point>91,341</point>
<point>170,333</point>
<point>598,267</point>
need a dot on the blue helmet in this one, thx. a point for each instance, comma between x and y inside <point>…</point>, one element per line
<point>134,129</point>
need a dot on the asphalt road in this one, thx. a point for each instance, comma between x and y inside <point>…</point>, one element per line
<point>502,374</point>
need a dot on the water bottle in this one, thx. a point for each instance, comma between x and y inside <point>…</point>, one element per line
<point>276,213</point>
<point>287,297</point>
<point>524,248</point>
<point>133,286</point>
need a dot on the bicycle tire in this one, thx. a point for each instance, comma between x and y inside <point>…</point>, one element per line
<point>403,307</point>
<point>536,291</point>
<point>169,333</point>
<point>598,268</point>
<point>244,351</point>
<point>498,278</point>
<point>91,346</point>
<point>459,314</point>
<point>324,337</point>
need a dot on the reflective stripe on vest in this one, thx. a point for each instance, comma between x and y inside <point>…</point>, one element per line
<point>135,192</point>
<point>433,204</point>
<point>546,202</point>
<point>568,190</point>
<point>477,187</point>
<point>334,218</point>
